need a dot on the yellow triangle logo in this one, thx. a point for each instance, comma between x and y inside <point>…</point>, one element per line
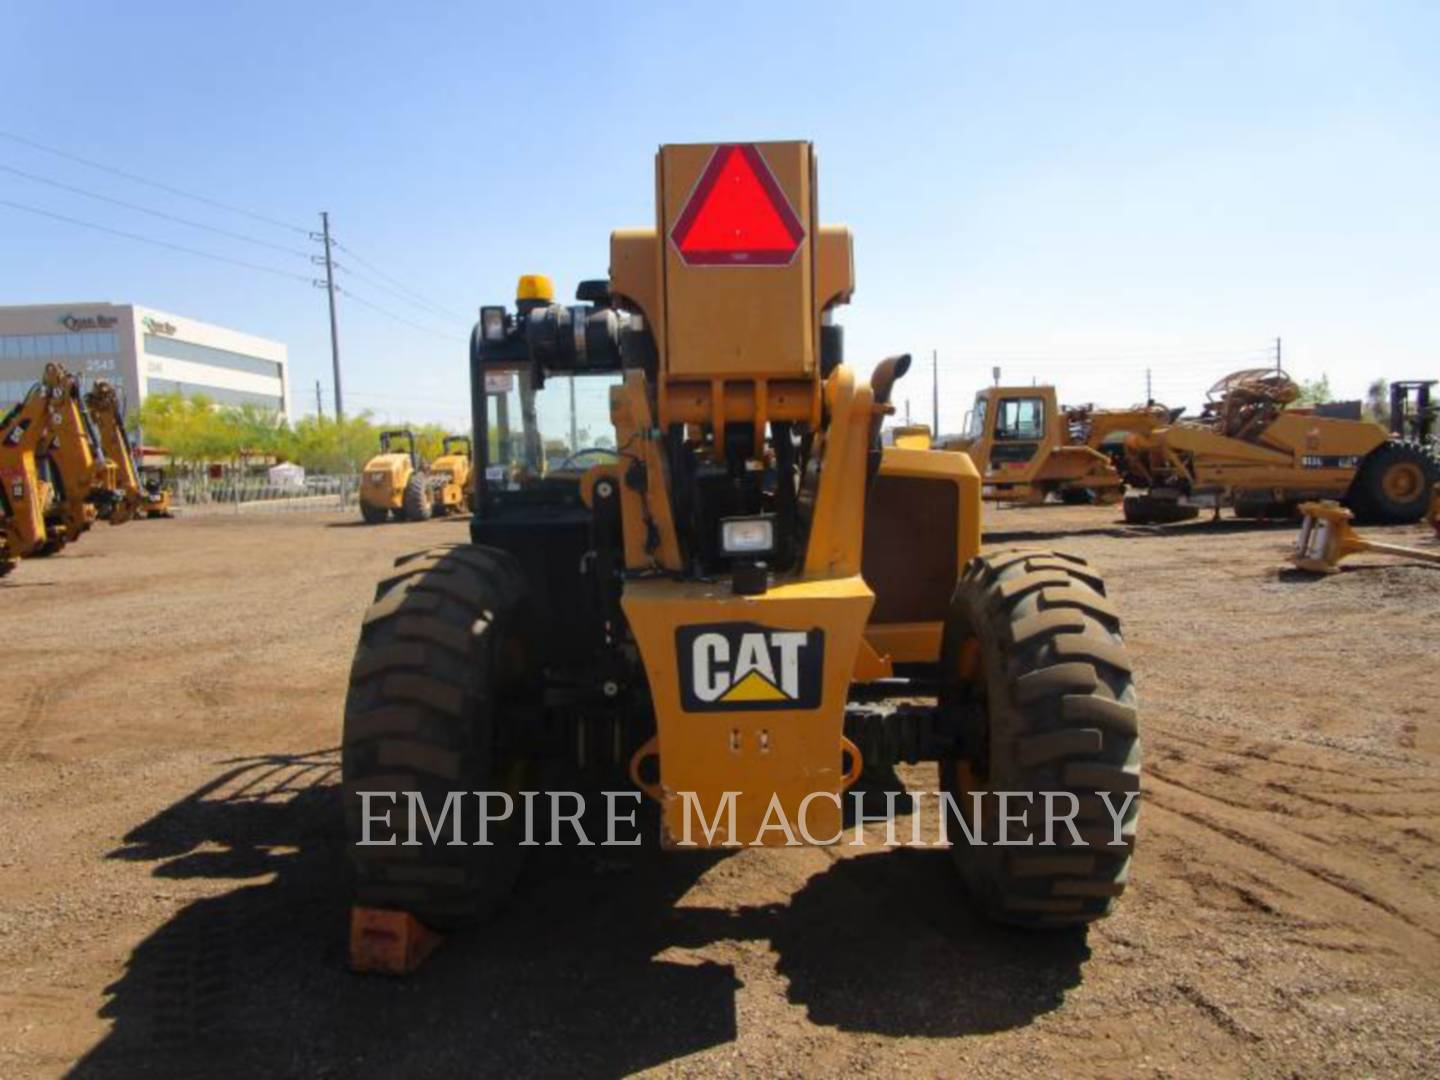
<point>754,687</point>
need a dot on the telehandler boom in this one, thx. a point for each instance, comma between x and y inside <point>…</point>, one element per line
<point>746,603</point>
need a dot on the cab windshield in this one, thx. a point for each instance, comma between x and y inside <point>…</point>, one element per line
<point>535,432</point>
<point>1021,419</point>
<point>975,429</point>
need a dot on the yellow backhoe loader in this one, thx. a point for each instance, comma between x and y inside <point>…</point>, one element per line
<point>137,498</point>
<point>51,462</point>
<point>84,482</point>
<point>744,606</point>
<point>1254,450</point>
<point>23,494</point>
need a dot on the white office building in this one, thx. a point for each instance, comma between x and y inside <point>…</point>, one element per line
<point>140,351</point>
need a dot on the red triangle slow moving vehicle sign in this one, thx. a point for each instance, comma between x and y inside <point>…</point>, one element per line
<point>737,215</point>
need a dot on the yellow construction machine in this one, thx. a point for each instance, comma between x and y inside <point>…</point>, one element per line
<point>398,482</point>
<point>1028,448</point>
<point>56,477</point>
<point>746,604</point>
<point>1254,450</point>
<point>84,482</point>
<point>450,475</point>
<point>393,482</point>
<point>138,499</point>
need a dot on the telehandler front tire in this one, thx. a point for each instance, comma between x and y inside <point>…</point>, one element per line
<point>439,666</point>
<point>417,504</point>
<point>1032,654</point>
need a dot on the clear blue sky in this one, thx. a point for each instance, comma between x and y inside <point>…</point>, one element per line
<point>1072,191</point>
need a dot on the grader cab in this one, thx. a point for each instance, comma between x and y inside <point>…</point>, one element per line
<point>743,602</point>
<point>1020,440</point>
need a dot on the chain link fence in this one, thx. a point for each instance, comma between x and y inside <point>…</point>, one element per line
<point>245,495</point>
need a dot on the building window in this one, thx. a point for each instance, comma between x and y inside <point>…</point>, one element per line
<point>219,395</point>
<point>45,346</point>
<point>204,354</point>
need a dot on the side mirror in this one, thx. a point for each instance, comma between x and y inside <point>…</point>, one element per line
<point>594,291</point>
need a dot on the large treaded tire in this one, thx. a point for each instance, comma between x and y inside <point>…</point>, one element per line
<point>1373,494</point>
<point>1148,510</point>
<point>440,658</point>
<point>374,515</point>
<point>417,504</point>
<point>1059,714</point>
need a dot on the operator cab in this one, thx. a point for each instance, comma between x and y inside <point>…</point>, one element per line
<point>540,400</point>
<point>1013,423</point>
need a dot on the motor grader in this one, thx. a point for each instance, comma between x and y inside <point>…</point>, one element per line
<point>1254,450</point>
<point>1027,448</point>
<point>136,498</point>
<point>748,603</point>
<point>55,475</point>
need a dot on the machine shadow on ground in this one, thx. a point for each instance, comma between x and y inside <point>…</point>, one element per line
<point>579,974</point>
<point>1121,530</point>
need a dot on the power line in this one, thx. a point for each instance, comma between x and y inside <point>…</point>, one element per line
<point>398,318</point>
<point>157,243</point>
<point>154,183</point>
<point>152,212</point>
<point>420,297</point>
<point>376,283</point>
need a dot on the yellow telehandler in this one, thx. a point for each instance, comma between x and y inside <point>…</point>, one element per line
<point>747,603</point>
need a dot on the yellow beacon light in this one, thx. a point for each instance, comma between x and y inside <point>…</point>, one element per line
<point>535,287</point>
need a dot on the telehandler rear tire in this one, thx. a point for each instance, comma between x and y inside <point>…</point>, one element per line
<point>1033,642</point>
<point>1393,485</point>
<point>417,504</point>
<point>374,515</point>
<point>439,666</point>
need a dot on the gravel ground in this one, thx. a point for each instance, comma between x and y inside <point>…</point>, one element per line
<point>172,893</point>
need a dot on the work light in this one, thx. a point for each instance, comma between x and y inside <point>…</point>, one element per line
<point>492,323</point>
<point>747,535</point>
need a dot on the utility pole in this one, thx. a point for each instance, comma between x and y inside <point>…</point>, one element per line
<point>1277,356</point>
<point>574,435</point>
<point>319,406</point>
<point>1149,393</point>
<point>907,412</point>
<point>935,392</point>
<point>334,331</point>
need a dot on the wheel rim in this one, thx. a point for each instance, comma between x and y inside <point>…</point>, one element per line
<point>1403,481</point>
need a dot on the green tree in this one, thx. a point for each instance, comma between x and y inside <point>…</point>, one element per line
<point>1314,392</point>
<point>1377,401</point>
<point>324,445</point>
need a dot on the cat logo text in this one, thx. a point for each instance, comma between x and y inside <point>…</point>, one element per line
<point>744,667</point>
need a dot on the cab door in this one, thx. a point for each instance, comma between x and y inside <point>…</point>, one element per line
<point>1017,432</point>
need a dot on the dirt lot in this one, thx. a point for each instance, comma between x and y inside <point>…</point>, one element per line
<point>171,880</point>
